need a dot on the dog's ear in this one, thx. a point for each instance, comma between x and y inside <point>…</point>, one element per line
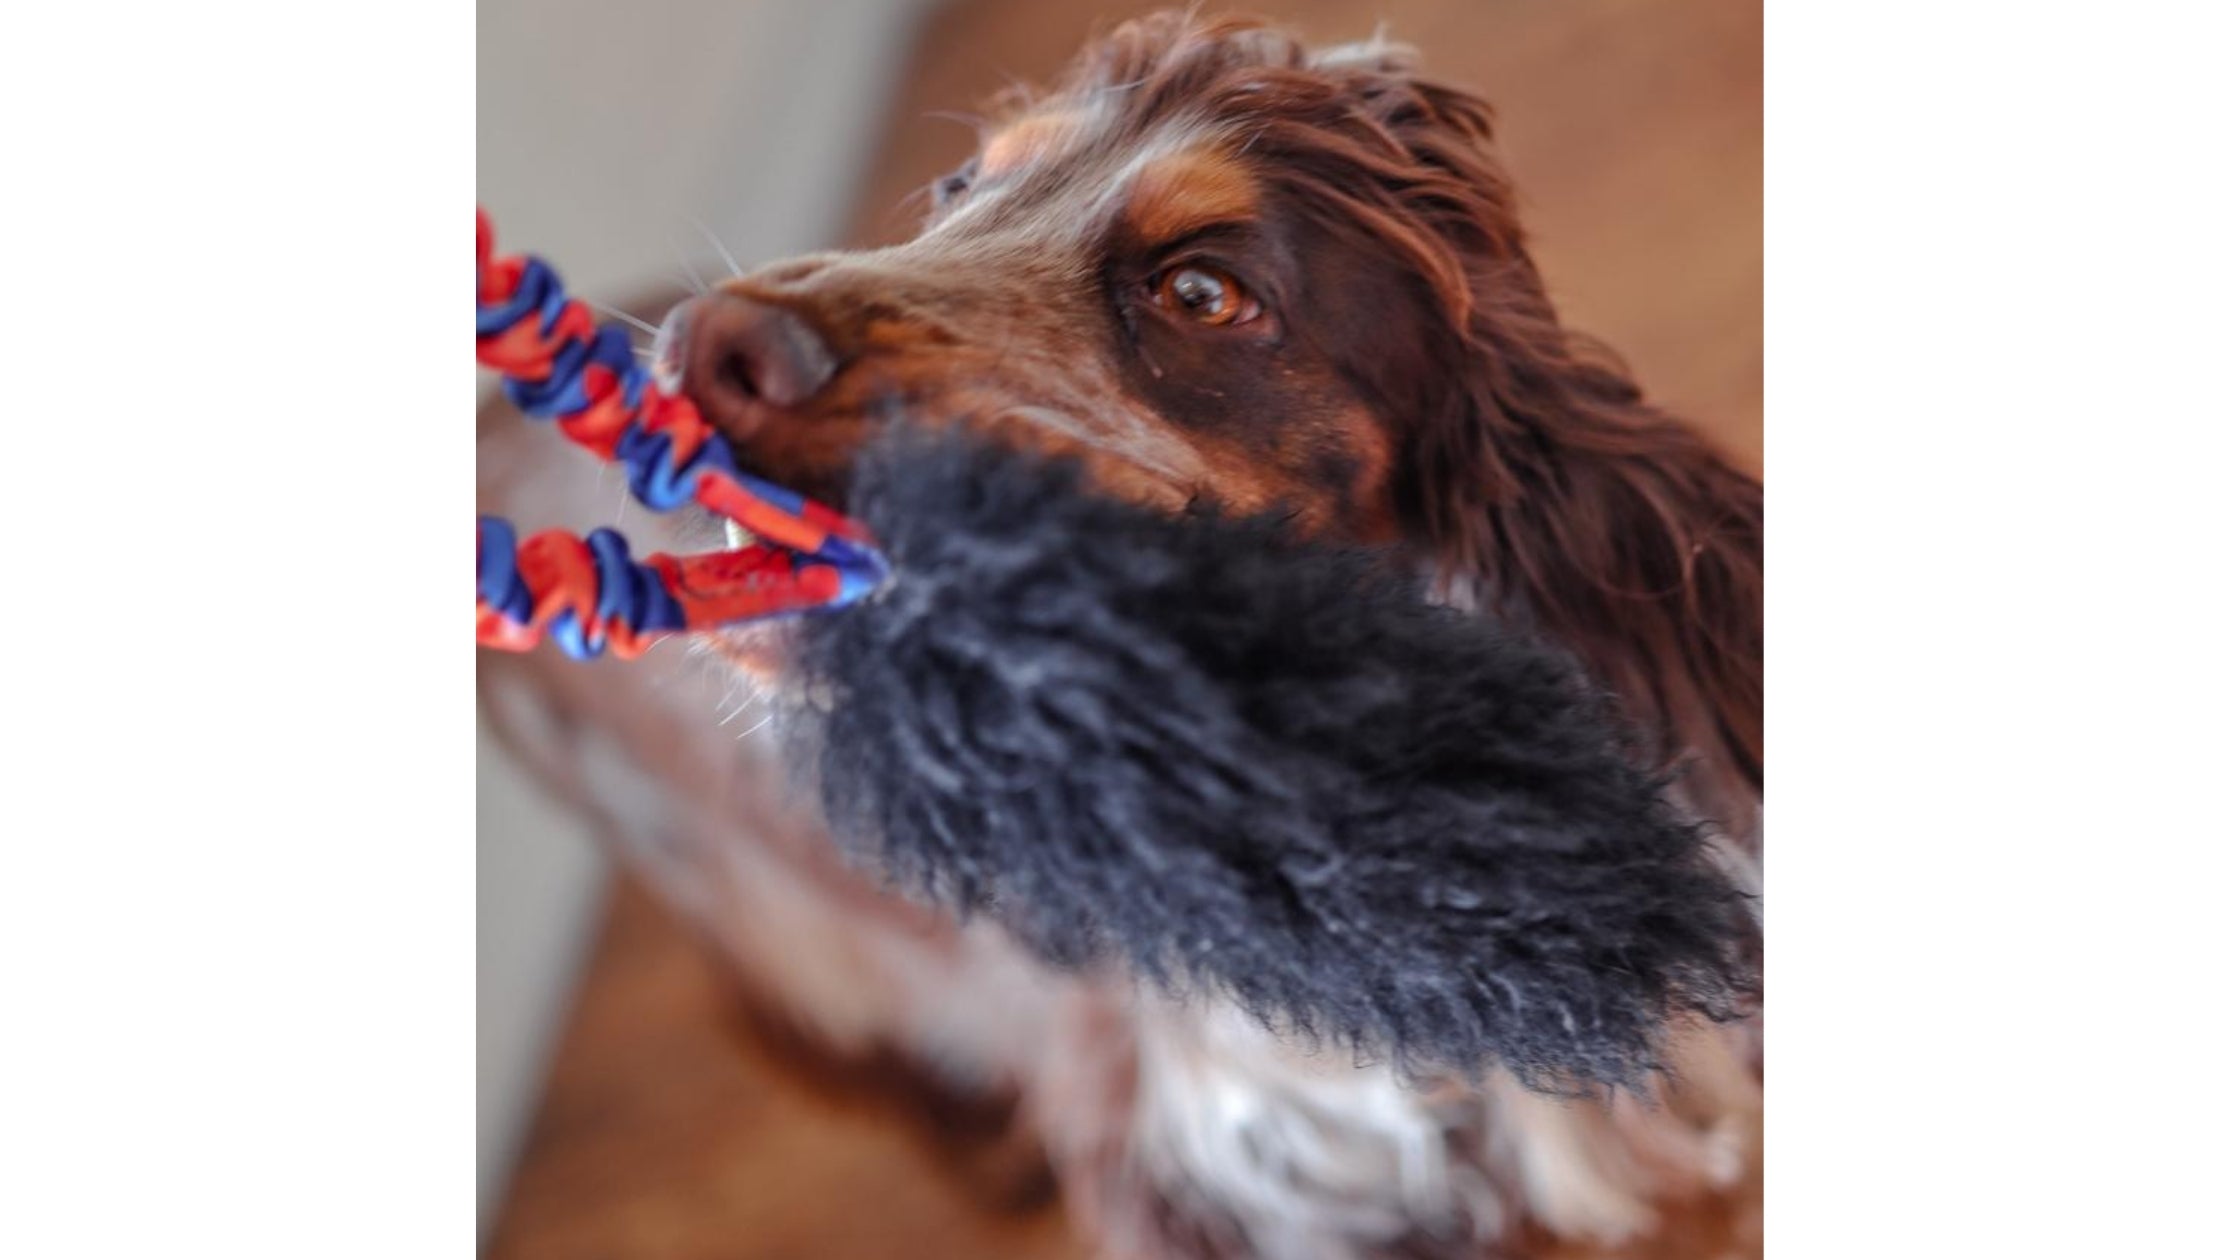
<point>1531,472</point>
<point>1530,467</point>
<point>1622,535</point>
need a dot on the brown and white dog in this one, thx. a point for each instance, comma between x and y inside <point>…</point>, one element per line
<point>1217,265</point>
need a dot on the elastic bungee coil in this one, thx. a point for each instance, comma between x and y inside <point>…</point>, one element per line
<point>587,594</point>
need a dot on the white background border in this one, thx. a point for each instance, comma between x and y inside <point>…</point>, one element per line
<point>2001,458</point>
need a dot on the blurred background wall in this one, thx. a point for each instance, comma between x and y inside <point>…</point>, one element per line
<point>626,1109</point>
<point>605,133</point>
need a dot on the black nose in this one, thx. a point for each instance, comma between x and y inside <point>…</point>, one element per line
<point>740,359</point>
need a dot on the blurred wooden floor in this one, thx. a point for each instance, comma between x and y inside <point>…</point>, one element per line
<point>671,1128</point>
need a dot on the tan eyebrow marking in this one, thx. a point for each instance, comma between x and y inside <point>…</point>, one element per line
<point>1024,141</point>
<point>1175,196</point>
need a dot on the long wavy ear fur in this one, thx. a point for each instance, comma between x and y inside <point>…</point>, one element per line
<point>1243,763</point>
<point>1535,472</point>
<point>1530,470</point>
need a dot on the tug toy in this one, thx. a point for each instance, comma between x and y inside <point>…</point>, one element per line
<point>1246,762</point>
<point>587,594</point>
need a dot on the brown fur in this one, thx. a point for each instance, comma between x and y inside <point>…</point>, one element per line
<point>1408,381</point>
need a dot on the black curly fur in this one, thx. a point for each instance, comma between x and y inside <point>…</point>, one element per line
<point>1272,768</point>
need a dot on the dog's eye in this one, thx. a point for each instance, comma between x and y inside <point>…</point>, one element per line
<point>1206,294</point>
<point>954,185</point>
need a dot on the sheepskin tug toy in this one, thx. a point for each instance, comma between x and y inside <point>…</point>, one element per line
<point>587,594</point>
<point>1244,763</point>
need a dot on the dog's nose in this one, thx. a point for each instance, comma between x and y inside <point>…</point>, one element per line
<point>739,358</point>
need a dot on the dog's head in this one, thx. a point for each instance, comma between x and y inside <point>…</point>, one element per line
<point>1212,262</point>
<point>1218,265</point>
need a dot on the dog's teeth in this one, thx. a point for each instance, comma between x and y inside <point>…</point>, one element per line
<point>736,535</point>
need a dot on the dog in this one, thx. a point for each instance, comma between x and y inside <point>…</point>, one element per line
<point>1216,266</point>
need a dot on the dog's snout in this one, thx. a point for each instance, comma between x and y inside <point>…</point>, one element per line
<point>739,358</point>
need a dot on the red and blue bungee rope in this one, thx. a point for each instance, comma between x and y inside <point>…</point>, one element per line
<point>587,594</point>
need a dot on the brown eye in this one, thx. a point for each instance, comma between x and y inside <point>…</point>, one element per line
<point>1206,294</point>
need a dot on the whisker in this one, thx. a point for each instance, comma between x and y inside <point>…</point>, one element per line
<point>1141,451</point>
<point>615,313</point>
<point>725,254</point>
<point>978,122</point>
<point>759,725</point>
<point>691,273</point>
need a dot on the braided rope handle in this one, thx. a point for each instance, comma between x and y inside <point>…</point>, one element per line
<point>587,594</point>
